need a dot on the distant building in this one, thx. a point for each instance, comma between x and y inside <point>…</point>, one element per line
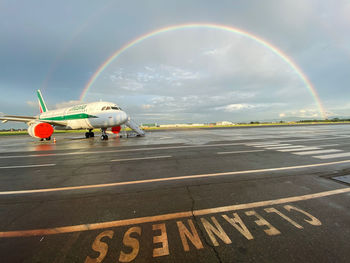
<point>181,125</point>
<point>221,123</point>
<point>149,125</point>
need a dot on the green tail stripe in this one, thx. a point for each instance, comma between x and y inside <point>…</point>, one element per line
<point>41,101</point>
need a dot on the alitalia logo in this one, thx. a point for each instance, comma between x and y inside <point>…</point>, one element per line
<point>78,108</point>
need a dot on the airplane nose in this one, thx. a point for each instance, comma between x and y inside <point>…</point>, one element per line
<point>124,116</point>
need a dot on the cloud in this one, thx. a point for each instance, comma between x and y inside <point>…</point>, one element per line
<point>245,106</point>
<point>301,113</point>
<point>235,107</point>
<point>199,69</point>
<point>67,104</point>
<point>33,104</point>
<point>147,106</point>
<point>153,114</point>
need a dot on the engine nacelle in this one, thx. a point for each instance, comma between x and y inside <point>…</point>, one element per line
<point>40,130</point>
<point>116,129</point>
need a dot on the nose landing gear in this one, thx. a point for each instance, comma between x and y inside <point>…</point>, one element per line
<point>104,136</point>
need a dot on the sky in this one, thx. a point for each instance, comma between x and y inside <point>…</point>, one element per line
<point>189,75</point>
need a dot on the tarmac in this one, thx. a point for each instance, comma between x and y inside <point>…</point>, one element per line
<point>207,195</point>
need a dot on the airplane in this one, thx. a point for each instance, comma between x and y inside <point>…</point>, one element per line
<point>87,116</point>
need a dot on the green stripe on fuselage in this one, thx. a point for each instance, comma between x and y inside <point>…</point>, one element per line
<point>69,117</point>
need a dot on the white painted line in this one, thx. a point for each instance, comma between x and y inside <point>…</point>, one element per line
<point>167,217</point>
<point>249,151</point>
<point>166,179</point>
<point>121,150</point>
<point>262,143</point>
<point>327,145</point>
<point>27,166</point>
<point>330,156</point>
<point>285,147</point>
<point>308,148</point>
<point>299,149</point>
<point>314,139</point>
<point>141,158</point>
<point>317,152</point>
<point>272,145</point>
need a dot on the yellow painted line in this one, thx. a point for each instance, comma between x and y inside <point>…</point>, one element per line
<point>164,217</point>
<point>186,177</point>
<point>27,166</point>
<point>141,158</point>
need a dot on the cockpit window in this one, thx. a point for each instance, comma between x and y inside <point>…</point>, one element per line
<point>111,108</point>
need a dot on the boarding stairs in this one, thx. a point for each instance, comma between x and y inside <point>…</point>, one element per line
<point>135,127</point>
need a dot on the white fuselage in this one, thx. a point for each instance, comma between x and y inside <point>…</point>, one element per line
<point>87,116</point>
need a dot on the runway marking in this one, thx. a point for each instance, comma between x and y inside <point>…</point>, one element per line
<point>156,148</point>
<point>297,140</point>
<point>263,144</point>
<point>166,217</point>
<point>285,147</point>
<point>299,149</point>
<point>27,166</point>
<point>317,152</point>
<point>270,145</point>
<point>187,177</point>
<point>116,151</point>
<point>317,139</point>
<point>330,156</point>
<point>141,158</point>
<point>249,151</point>
<point>326,145</point>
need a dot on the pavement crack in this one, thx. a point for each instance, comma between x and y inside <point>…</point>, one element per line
<point>197,223</point>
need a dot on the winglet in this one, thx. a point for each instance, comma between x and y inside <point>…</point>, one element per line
<point>42,104</point>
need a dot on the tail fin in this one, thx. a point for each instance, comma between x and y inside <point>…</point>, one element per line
<point>42,104</point>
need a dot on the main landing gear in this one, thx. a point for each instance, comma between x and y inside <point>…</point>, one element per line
<point>104,136</point>
<point>89,134</point>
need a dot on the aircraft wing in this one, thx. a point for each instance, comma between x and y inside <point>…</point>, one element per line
<point>6,118</point>
<point>27,119</point>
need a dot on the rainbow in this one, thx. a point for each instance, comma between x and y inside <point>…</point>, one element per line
<point>259,40</point>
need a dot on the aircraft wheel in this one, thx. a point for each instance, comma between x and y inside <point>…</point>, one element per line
<point>91,134</point>
<point>48,138</point>
<point>87,135</point>
<point>104,137</point>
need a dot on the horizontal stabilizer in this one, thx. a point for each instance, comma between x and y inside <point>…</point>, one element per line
<point>133,125</point>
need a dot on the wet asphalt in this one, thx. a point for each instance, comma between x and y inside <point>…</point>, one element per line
<point>202,195</point>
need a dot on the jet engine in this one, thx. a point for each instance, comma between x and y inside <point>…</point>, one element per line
<point>116,129</point>
<point>40,130</point>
